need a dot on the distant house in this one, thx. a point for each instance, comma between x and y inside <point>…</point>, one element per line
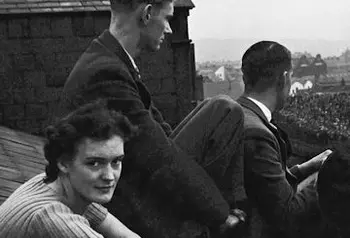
<point>308,85</point>
<point>295,88</point>
<point>221,73</point>
<point>208,75</point>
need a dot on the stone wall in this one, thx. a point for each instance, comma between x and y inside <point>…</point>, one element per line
<point>38,51</point>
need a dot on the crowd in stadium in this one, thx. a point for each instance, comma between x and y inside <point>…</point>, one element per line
<point>320,114</point>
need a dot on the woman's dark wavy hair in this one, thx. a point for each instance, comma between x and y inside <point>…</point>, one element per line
<point>94,121</point>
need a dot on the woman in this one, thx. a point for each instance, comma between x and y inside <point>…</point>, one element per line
<point>84,152</point>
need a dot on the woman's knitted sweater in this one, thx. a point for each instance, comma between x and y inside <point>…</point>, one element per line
<point>35,210</point>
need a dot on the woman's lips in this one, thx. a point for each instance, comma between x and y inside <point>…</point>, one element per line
<point>105,188</point>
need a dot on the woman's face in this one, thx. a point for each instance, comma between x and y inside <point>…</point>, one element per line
<point>95,170</point>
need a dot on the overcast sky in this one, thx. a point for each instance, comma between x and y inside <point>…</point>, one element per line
<point>272,19</point>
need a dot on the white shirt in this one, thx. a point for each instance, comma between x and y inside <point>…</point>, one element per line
<point>132,60</point>
<point>263,108</point>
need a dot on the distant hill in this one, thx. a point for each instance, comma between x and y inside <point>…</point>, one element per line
<point>233,49</point>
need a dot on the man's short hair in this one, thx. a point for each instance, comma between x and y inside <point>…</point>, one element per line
<point>333,188</point>
<point>133,4</point>
<point>263,63</point>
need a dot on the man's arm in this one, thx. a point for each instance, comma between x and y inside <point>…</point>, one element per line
<point>153,152</point>
<point>266,184</point>
<point>302,171</point>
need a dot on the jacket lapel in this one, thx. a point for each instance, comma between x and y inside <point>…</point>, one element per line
<point>279,134</point>
<point>113,45</point>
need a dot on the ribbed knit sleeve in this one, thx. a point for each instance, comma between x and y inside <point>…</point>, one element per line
<point>57,220</point>
<point>95,214</point>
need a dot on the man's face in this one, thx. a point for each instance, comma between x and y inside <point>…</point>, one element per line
<point>95,170</point>
<point>153,34</point>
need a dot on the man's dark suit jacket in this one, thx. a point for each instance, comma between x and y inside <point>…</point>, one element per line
<point>158,181</point>
<point>277,207</point>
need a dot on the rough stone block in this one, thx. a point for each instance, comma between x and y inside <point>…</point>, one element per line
<point>5,97</point>
<point>48,45</point>
<point>24,96</point>
<point>9,123</point>
<point>101,23</point>
<point>77,44</point>
<point>83,25</point>
<point>18,28</point>
<point>32,126</point>
<point>46,60</point>
<point>160,86</point>
<point>67,57</point>
<point>61,27</point>
<point>5,63</point>
<point>57,78</point>
<point>24,61</point>
<point>46,95</point>
<point>11,46</point>
<point>37,111</point>
<point>40,27</point>
<point>18,82</point>
<point>1,116</point>
<point>14,111</point>
<point>3,30</point>
<point>6,80</point>
<point>34,78</point>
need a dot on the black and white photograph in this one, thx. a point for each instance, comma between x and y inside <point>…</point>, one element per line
<point>174,119</point>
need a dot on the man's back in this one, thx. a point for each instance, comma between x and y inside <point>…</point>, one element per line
<point>277,206</point>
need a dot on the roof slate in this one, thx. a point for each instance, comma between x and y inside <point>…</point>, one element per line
<point>52,6</point>
<point>21,158</point>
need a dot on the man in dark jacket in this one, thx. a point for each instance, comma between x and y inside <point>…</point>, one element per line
<point>174,183</point>
<point>281,199</point>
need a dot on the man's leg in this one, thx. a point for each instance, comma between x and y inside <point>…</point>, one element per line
<point>313,225</point>
<point>212,133</point>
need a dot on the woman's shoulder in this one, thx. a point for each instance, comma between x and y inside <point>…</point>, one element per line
<point>57,220</point>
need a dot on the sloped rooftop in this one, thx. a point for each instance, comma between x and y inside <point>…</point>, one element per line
<point>21,158</point>
<point>51,6</point>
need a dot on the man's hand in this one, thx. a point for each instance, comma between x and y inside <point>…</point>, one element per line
<point>313,165</point>
<point>233,220</point>
<point>318,160</point>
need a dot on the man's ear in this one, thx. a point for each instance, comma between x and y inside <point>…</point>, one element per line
<point>282,80</point>
<point>146,14</point>
<point>63,165</point>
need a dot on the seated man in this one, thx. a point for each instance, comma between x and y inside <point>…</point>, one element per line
<point>280,204</point>
<point>84,151</point>
<point>333,187</point>
<point>175,183</point>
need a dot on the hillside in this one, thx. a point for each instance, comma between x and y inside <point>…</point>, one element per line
<point>233,49</point>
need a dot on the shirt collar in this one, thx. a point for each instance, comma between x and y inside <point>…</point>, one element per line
<point>131,59</point>
<point>263,108</point>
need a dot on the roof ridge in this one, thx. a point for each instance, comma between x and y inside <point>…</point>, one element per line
<point>45,6</point>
